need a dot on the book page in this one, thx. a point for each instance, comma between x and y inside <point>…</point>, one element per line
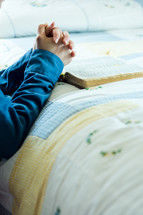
<point>101,67</point>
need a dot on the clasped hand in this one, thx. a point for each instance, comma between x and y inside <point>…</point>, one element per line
<point>52,39</point>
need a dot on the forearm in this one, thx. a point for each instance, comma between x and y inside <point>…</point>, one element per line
<point>12,77</point>
<point>40,76</point>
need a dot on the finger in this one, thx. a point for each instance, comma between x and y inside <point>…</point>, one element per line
<point>52,24</point>
<point>71,44</point>
<point>73,53</point>
<point>41,29</point>
<point>57,34</point>
<point>49,28</point>
<point>66,38</point>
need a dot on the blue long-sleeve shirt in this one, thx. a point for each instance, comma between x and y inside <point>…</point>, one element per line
<point>29,81</point>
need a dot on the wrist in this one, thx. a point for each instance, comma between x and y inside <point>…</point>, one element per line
<point>46,63</point>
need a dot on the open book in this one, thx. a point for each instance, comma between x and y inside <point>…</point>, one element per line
<point>101,70</point>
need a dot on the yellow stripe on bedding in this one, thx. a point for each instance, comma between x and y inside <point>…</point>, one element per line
<point>113,48</point>
<point>32,169</point>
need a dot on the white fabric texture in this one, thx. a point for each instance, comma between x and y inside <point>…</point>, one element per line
<point>99,169</point>
<point>21,17</point>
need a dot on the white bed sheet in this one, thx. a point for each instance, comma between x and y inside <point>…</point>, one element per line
<point>87,45</point>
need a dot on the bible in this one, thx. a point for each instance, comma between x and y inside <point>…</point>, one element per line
<point>92,72</point>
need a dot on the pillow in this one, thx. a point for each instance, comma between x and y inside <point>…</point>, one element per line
<point>20,17</point>
<point>111,14</point>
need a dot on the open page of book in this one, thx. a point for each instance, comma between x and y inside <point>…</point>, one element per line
<point>101,67</point>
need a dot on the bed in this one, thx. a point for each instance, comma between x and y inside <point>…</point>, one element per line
<point>83,155</point>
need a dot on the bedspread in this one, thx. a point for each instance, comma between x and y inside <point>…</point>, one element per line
<point>83,154</point>
<point>82,149</point>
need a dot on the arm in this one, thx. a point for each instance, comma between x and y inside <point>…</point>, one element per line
<point>18,114</point>
<point>12,77</point>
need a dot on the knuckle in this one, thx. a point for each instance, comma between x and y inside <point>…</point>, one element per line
<point>71,45</point>
<point>59,30</point>
<point>38,38</point>
<point>40,26</point>
<point>66,33</point>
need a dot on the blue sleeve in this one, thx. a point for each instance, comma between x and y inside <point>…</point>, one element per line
<point>12,77</point>
<point>18,113</point>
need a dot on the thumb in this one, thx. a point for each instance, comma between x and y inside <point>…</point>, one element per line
<point>42,29</point>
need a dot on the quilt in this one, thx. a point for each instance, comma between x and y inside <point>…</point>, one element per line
<point>83,154</point>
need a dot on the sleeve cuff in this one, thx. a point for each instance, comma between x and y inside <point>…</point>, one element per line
<point>46,63</point>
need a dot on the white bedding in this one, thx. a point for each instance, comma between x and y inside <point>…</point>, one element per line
<point>84,153</point>
<point>20,17</point>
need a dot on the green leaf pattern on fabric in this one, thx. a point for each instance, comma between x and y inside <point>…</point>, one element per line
<point>95,88</point>
<point>132,122</point>
<point>89,137</point>
<point>58,212</point>
<point>112,153</point>
<point>39,3</point>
